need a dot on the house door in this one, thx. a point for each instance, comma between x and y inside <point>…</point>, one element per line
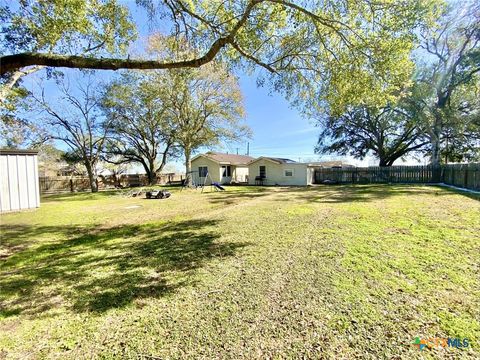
<point>262,171</point>
<point>226,174</point>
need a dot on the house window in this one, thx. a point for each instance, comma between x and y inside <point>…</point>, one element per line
<point>202,171</point>
<point>288,172</point>
<point>226,171</point>
<point>263,171</point>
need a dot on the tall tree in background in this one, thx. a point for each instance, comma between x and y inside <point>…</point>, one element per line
<point>389,134</point>
<point>75,119</point>
<point>461,135</point>
<point>204,107</point>
<point>453,65</point>
<point>338,51</point>
<point>141,131</point>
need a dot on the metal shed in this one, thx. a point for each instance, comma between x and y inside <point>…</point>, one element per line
<point>19,188</point>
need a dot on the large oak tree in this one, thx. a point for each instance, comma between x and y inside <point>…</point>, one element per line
<point>141,131</point>
<point>204,106</point>
<point>338,50</point>
<point>389,134</point>
<point>452,68</point>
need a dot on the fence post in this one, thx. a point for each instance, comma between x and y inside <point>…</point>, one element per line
<point>436,172</point>
<point>465,179</point>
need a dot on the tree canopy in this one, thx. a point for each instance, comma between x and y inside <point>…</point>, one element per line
<point>70,27</point>
<point>452,68</point>
<point>313,51</point>
<point>437,114</point>
<point>140,129</point>
<point>389,133</point>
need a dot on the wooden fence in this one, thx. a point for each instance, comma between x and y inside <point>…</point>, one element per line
<point>59,184</point>
<point>461,175</point>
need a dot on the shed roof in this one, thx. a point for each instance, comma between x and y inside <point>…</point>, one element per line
<point>17,152</point>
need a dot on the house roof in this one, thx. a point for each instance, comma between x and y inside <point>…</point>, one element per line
<point>275,160</point>
<point>228,159</point>
<point>281,160</point>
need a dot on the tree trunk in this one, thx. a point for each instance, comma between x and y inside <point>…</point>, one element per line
<point>91,178</point>
<point>151,173</point>
<point>152,177</point>
<point>437,128</point>
<point>188,167</point>
<point>435,140</point>
<point>435,151</point>
<point>116,179</point>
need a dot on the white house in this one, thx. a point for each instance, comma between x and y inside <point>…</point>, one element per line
<point>278,171</point>
<point>231,168</point>
<point>221,168</point>
<point>19,188</point>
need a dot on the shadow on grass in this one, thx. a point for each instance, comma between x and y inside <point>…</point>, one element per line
<point>102,269</point>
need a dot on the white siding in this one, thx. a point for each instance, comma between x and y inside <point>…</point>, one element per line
<point>4,185</point>
<point>19,187</point>
<point>275,173</point>
<point>213,170</point>
<point>240,173</point>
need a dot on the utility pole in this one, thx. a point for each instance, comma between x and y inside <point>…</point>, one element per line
<point>248,148</point>
<point>237,151</point>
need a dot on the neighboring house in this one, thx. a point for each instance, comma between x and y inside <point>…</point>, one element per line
<point>278,171</point>
<point>71,170</point>
<point>221,168</point>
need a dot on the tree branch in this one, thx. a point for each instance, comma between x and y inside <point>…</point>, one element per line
<point>13,62</point>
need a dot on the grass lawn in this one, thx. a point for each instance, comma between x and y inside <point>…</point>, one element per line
<point>324,272</point>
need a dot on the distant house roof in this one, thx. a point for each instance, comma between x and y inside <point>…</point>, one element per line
<point>275,160</point>
<point>281,160</point>
<point>227,159</point>
<point>329,164</point>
